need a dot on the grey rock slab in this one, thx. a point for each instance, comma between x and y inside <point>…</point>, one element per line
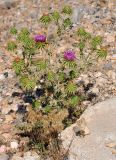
<point>101,121</point>
<point>4,157</point>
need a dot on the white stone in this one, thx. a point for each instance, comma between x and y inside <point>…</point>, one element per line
<point>2,77</point>
<point>95,90</point>
<point>2,149</point>
<point>111,74</point>
<point>14,144</point>
<point>85,78</point>
<point>98,74</point>
<point>113,57</point>
<point>86,103</point>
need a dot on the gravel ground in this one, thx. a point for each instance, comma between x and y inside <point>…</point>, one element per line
<point>98,17</point>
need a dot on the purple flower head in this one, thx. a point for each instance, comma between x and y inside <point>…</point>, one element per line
<point>69,55</point>
<point>40,38</point>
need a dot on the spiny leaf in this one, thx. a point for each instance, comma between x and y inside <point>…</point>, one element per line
<point>67,23</point>
<point>67,10</point>
<point>61,76</point>
<point>13,30</point>
<point>96,41</point>
<point>70,64</point>
<point>41,65</point>
<point>56,16</point>
<point>50,76</point>
<point>27,83</point>
<point>82,33</point>
<point>78,113</point>
<point>81,46</point>
<point>36,104</point>
<point>18,66</point>
<point>26,40</point>
<point>47,109</point>
<point>23,37</point>
<point>74,101</point>
<point>40,45</point>
<point>46,19</point>
<point>11,46</point>
<point>71,88</point>
<point>73,74</point>
<point>25,31</point>
<point>102,53</point>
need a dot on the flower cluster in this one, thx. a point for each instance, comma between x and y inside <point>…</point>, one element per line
<point>40,38</point>
<point>69,55</point>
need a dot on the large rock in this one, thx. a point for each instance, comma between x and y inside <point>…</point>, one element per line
<point>101,121</point>
<point>4,157</point>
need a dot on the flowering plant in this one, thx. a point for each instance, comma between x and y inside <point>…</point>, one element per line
<point>50,88</point>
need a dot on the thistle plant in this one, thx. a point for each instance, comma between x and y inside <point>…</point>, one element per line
<point>52,87</point>
<point>61,20</point>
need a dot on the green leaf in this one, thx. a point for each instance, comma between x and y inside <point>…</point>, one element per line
<point>67,10</point>
<point>40,45</point>
<point>41,65</point>
<point>36,104</point>
<point>70,64</point>
<point>61,76</point>
<point>71,88</point>
<point>45,19</point>
<point>26,40</point>
<point>25,31</point>
<point>96,41</point>
<point>56,16</point>
<point>50,76</point>
<point>83,34</point>
<point>67,23</point>
<point>81,46</point>
<point>102,53</point>
<point>18,66</point>
<point>11,46</point>
<point>27,83</point>
<point>13,31</point>
<point>73,74</point>
<point>74,101</point>
<point>47,109</point>
<point>78,113</point>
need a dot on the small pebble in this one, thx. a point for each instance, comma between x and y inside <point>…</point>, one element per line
<point>14,145</point>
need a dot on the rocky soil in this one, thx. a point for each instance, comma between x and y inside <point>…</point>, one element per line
<point>98,17</point>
